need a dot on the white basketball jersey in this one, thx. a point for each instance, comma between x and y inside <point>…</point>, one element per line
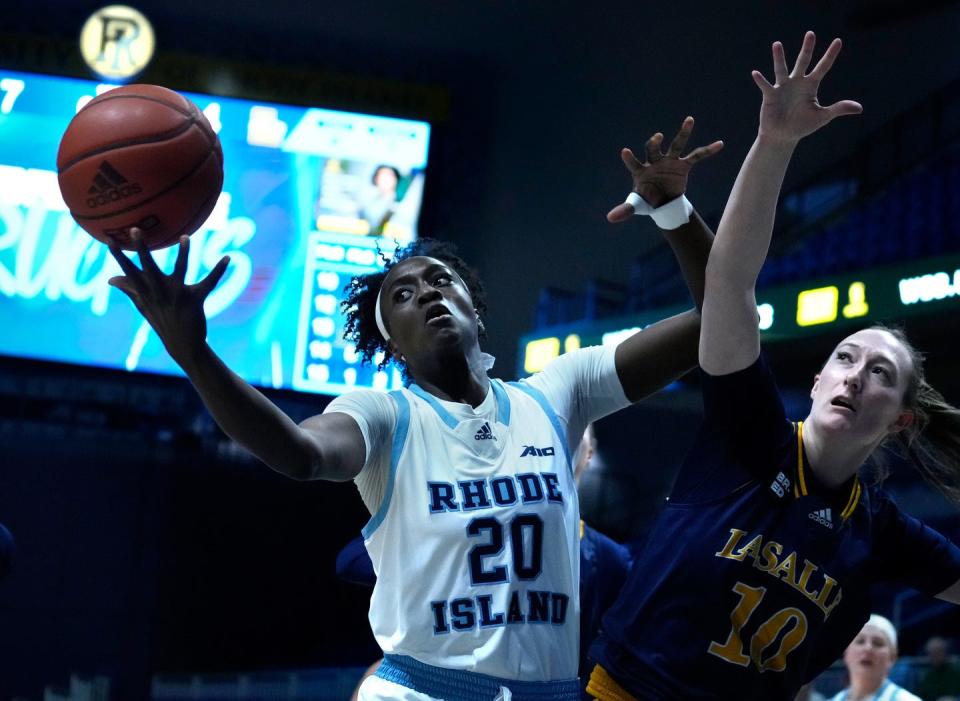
<point>475,544</point>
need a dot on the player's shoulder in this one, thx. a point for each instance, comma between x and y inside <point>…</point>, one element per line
<point>573,362</point>
<point>878,503</point>
<point>901,694</point>
<point>369,406</point>
<point>362,397</point>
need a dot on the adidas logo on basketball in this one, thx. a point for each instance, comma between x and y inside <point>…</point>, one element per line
<point>484,434</point>
<point>822,516</point>
<point>110,186</point>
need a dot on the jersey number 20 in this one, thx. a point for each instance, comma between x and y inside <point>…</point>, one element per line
<point>733,649</point>
<point>527,563</point>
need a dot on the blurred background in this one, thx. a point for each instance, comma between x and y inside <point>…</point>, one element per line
<point>152,556</point>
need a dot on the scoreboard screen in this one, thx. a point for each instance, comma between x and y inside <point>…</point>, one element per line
<point>308,195</point>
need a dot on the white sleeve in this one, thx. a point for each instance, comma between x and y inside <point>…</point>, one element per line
<point>376,415</point>
<point>581,386</point>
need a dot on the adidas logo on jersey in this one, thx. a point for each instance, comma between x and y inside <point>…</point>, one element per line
<point>540,452</point>
<point>484,434</point>
<point>822,516</point>
<point>110,186</point>
<point>780,485</point>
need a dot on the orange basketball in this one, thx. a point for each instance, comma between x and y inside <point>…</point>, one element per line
<point>143,156</point>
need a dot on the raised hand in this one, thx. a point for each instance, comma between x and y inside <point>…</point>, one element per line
<point>790,107</point>
<point>663,176</point>
<point>173,308</point>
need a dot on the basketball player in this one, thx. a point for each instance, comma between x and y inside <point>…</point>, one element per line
<point>474,515</point>
<point>869,659</point>
<point>755,575</point>
<point>603,567</point>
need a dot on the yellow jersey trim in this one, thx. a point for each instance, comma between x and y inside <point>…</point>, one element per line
<point>603,687</point>
<point>853,501</point>
<point>855,490</point>
<point>800,476</point>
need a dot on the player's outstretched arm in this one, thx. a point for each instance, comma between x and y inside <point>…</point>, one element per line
<point>652,359</point>
<point>662,178</point>
<point>729,338</point>
<point>331,448</point>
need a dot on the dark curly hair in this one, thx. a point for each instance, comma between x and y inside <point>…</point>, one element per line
<point>362,290</point>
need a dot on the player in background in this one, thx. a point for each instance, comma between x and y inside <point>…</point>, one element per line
<point>474,527</point>
<point>755,575</point>
<point>869,659</point>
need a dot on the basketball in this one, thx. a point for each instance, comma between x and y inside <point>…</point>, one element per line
<point>140,156</point>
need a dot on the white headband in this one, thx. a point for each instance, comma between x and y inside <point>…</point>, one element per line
<point>884,626</point>
<point>379,317</point>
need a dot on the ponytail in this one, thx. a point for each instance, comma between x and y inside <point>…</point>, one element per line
<point>932,442</point>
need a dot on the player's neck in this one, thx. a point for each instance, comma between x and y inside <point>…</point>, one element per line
<point>454,379</point>
<point>832,459</point>
<point>863,689</point>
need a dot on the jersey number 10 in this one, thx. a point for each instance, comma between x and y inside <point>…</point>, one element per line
<point>733,650</point>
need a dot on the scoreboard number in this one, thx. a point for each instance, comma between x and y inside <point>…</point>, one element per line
<point>11,89</point>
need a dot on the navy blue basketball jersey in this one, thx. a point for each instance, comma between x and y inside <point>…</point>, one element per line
<point>603,569</point>
<point>755,577</point>
<point>354,564</point>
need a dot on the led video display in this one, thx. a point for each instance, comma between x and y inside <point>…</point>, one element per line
<point>308,195</point>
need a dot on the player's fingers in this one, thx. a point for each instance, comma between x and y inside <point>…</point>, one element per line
<point>761,82</point>
<point>699,154</point>
<point>632,163</point>
<point>205,286</point>
<point>826,61</point>
<point>180,267</point>
<point>653,148</point>
<point>126,286</point>
<point>680,140</point>
<point>123,284</point>
<point>621,213</point>
<point>147,263</point>
<point>126,265</point>
<point>843,108</point>
<point>803,58</point>
<point>779,63</point>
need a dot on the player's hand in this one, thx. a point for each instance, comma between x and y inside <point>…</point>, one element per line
<point>790,107</point>
<point>173,308</point>
<point>663,176</point>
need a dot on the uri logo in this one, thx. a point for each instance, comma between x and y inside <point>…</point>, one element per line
<point>117,42</point>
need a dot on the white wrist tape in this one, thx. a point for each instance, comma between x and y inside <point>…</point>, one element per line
<point>672,215</point>
<point>640,206</point>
